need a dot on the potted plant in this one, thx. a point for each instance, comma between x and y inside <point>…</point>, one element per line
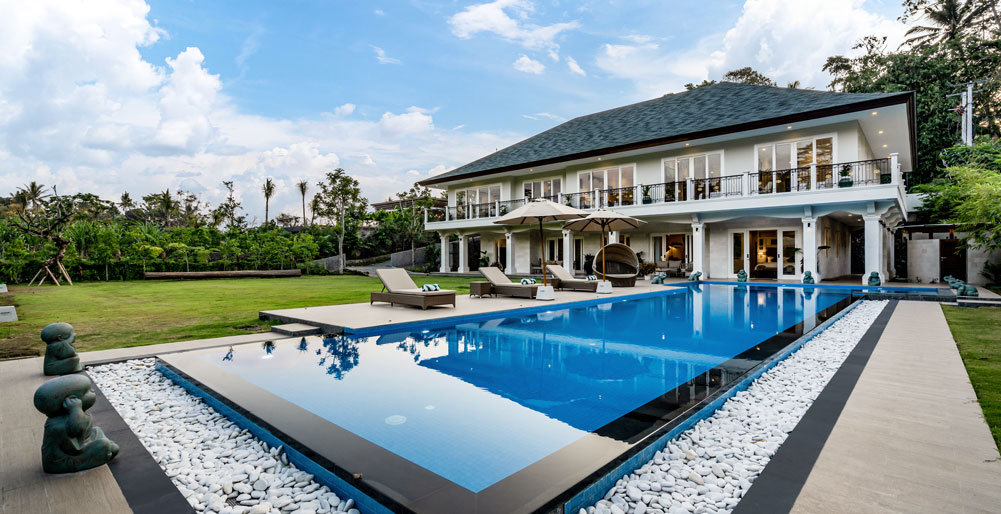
<point>647,269</point>
<point>846,179</point>
<point>503,210</point>
<point>646,195</point>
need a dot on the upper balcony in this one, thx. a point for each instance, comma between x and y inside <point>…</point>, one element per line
<point>834,178</point>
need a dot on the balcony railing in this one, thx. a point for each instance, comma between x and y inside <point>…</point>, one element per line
<point>803,179</point>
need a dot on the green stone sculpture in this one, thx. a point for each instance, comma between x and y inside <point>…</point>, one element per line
<point>741,276</point>
<point>807,277</point>
<point>60,354</point>
<point>70,442</point>
<point>874,279</point>
<point>695,277</point>
<point>967,290</point>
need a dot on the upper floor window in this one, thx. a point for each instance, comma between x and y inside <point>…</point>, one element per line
<point>610,178</point>
<point>707,165</point>
<point>478,195</point>
<point>794,154</point>
<point>547,188</point>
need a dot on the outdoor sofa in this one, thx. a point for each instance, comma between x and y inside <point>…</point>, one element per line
<point>501,284</point>
<point>399,288</point>
<point>568,281</point>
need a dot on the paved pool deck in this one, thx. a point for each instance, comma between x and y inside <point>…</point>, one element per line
<point>911,437</point>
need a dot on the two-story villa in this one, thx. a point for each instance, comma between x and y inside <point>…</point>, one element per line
<point>770,180</point>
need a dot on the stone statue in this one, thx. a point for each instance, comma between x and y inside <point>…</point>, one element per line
<point>71,443</point>
<point>956,283</point>
<point>967,290</point>
<point>741,276</point>
<point>60,354</point>
<point>807,277</point>
<point>874,279</point>
<point>695,276</point>
<point>659,279</point>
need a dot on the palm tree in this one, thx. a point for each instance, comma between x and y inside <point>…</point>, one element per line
<point>269,190</point>
<point>126,202</point>
<point>303,187</point>
<point>34,193</point>
<point>314,205</point>
<point>949,21</point>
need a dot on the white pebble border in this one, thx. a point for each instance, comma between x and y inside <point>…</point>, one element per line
<point>708,468</point>
<point>210,459</point>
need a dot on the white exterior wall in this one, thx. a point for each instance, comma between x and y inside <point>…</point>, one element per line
<point>923,260</point>
<point>835,262</point>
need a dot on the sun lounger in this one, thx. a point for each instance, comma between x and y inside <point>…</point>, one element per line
<point>399,288</point>
<point>501,284</point>
<point>567,281</point>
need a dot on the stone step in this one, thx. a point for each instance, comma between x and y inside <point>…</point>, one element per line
<point>296,329</point>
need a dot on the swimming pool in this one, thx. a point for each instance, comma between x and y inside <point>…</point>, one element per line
<point>505,413</point>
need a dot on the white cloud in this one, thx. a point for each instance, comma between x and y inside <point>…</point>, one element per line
<point>344,110</point>
<point>379,12</point>
<point>413,121</point>
<point>81,109</point>
<point>544,115</point>
<point>437,170</point>
<point>529,65</point>
<point>380,55</point>
<point>493,18</point>
<point>575,68</point>
<point>779,38</point>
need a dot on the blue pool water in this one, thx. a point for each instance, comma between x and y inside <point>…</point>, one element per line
<point>476,402</point>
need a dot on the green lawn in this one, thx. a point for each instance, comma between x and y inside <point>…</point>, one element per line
<point>977,332</point>
<point>119,314</point>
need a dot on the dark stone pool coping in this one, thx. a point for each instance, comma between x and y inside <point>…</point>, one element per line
<point>776,489</point>
<point>143,483</point>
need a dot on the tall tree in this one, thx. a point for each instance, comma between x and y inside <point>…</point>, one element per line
<point>945,21</point>
<point>410,215</point>
<point>33,194</point>
<point>269,190</point>
<point>228,212</point>
<point>745,75</point>
<point>303,188</point>
<point>340,200</point>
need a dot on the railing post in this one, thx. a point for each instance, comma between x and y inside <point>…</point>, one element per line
<point>894,169</point>
<point>813,176</point>
<point>689,188</point>
<point>775,181</point>
<point>745,184</point>
<point>425,216</point>
<point>636,194</point>
<point>496,207</point>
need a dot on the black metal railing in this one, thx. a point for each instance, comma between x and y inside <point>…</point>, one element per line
<point>620,196</point>
<point>717,187</point>
<point>855,174</point>
<point>585,200</point>
<point>668,192</point>
<point>509,205</point>
<point>436,214</point>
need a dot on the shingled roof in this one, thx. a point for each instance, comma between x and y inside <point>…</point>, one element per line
<point>702,112</point>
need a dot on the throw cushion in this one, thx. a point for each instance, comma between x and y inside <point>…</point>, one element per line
<point>591,277</point>
<point>430,287</point>
<point>528,281</point>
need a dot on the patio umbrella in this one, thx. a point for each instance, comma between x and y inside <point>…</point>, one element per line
<point>603,220</point>
<point>540,211</point>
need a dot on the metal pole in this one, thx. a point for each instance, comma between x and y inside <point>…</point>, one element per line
<point>969,113</point>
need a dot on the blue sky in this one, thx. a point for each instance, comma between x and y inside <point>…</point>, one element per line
<point>115,95</point>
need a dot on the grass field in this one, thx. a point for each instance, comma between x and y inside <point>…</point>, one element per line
<point>977,332</point>
<point>119,314</point>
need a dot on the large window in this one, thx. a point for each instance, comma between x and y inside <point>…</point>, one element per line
<point>548,188</point>
<point>611,178</point>
<point>680,169</point>
<point>477,202</point>
<point>795,154</point>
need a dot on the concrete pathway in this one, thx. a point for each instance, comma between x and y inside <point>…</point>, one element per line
<point>912,437</point>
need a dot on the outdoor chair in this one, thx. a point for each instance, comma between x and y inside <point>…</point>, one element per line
<point>568,281</point>
<point>501,284</point>
<point>399,288</point>
<point>621,265</point>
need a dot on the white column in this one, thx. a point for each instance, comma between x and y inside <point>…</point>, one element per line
<point>873,247</point>
<point>444,254</point>
<point>509,251</point>
<point>698,248</point>
<point>813,176</point>
<point>463,253</point>
<point>892,265</point>
<point>568,251</point>
<point>810,247</point>
<point>745,184</point>
<point>613,237</point>
<point>894,168</point>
